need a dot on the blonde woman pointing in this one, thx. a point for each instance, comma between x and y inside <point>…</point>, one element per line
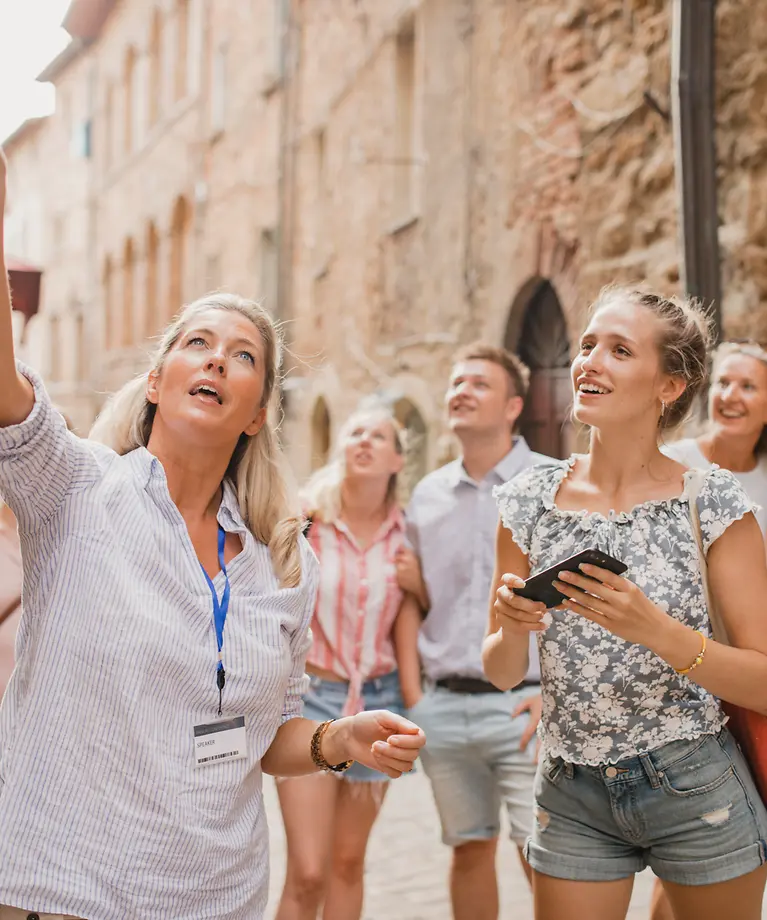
<point>168,595</point>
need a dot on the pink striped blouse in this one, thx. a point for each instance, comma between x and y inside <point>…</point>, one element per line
<point>357,603</point>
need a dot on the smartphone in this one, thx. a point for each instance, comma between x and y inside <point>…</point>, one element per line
<point>540,587</point>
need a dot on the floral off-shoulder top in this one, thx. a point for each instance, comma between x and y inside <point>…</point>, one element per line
<point>605,699</point>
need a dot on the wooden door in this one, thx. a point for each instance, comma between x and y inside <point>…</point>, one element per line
<point>545,348</point>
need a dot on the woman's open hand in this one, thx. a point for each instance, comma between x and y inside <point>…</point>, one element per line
<point>614,602</point>
<point>380,740</point>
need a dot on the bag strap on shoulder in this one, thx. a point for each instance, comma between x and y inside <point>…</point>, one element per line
<point>695,481</point>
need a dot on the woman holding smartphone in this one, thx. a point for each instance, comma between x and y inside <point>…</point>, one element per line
<point>638,768</point>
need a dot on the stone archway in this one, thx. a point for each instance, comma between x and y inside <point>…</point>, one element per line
<point>537,332</point>
<point>409,416</point>
<point>320,434</point>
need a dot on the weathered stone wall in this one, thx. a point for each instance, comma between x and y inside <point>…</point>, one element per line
<point>541,159</point>
<point>541,149</point>
<point>547,152</point>
<point>742,174</point>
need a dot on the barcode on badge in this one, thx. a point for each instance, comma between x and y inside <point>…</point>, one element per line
<point>219,756</point>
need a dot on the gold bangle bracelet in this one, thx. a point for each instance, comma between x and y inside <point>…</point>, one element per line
<point>698,659</point>
<point>316,752</point>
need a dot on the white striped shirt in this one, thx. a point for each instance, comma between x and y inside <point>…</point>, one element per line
<point>103,813</point>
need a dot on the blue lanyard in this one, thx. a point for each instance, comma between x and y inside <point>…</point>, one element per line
<point>220,610</point>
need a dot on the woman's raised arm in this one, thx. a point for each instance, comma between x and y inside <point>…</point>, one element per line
<point>16,394</point>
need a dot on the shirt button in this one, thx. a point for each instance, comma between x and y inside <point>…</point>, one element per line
<point>33,916</point>
<point>611,772</point>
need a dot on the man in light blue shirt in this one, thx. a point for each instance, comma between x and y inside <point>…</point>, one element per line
<point>480,750</point>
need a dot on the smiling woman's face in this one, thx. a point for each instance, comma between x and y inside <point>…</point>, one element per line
<point>210,387</point>
<point>738,396</point>
<point>617,376</point>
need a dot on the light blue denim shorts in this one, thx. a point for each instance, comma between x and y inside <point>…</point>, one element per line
<point>326,699</point>
<point>689,810</point>
<point>476,764</point>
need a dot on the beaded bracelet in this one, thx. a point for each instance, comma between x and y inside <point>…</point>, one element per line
<point>317,756</point>
<point>698,659</point>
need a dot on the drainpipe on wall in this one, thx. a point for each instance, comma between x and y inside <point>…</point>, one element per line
<point>286,190</point>
<point>693,102</point>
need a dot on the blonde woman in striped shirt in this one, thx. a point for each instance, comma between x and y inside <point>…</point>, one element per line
<point>164,629</point>
<point>356,528</point>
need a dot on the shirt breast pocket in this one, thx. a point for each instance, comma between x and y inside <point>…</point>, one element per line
<point>257,655</point>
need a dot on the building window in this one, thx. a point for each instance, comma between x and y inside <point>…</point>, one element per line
<point>129,95</point>
<point>126,335</point>
<point>155,69</point>
<point>182,48</point>
<point>64,106</point>
<point>320,203</point>
<point>405,152</point>
<point>151,322</point>
<point>218,92</point>
<point>320,434</point>
<point>416,446</point>
<point>82,140</point>
<point>213,272</point>
<point>270,270</point>
<point>110,330</point>
<point>280,13</point>
<point>178,245</point>
<point>57,235</point>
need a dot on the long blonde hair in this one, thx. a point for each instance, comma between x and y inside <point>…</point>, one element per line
<point>321,495</point>
<point>256,468</point>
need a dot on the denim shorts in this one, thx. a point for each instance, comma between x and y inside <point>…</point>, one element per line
<point>326,699</point>
<point>689,810</point>
<point>475,763</point>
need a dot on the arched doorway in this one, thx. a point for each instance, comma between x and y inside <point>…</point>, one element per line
<point>408,415</point>
<point>537,332</point>
<point>179,232</point>
<point>320,434</point>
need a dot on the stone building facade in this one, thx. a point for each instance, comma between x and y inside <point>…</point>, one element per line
<point>393,178</point>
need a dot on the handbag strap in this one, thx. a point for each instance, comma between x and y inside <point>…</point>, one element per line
<point>695,482</point>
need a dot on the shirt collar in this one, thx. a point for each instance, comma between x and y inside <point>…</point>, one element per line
<point>150,473</point>
<point>517,459</point>
<point>395,520</point>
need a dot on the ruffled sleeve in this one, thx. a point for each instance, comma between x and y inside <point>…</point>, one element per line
<point>722,500</point>
<point>522,500</point>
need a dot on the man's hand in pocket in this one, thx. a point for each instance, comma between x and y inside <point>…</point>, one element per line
<point>534,706</point>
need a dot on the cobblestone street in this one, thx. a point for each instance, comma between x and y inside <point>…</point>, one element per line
<point>407,864</point>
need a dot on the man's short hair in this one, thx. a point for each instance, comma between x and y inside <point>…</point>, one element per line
<point>516,370</point>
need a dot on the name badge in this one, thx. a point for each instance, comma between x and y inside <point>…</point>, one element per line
<point>220,741</point>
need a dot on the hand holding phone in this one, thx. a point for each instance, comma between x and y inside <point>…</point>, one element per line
<point>541,588</point>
